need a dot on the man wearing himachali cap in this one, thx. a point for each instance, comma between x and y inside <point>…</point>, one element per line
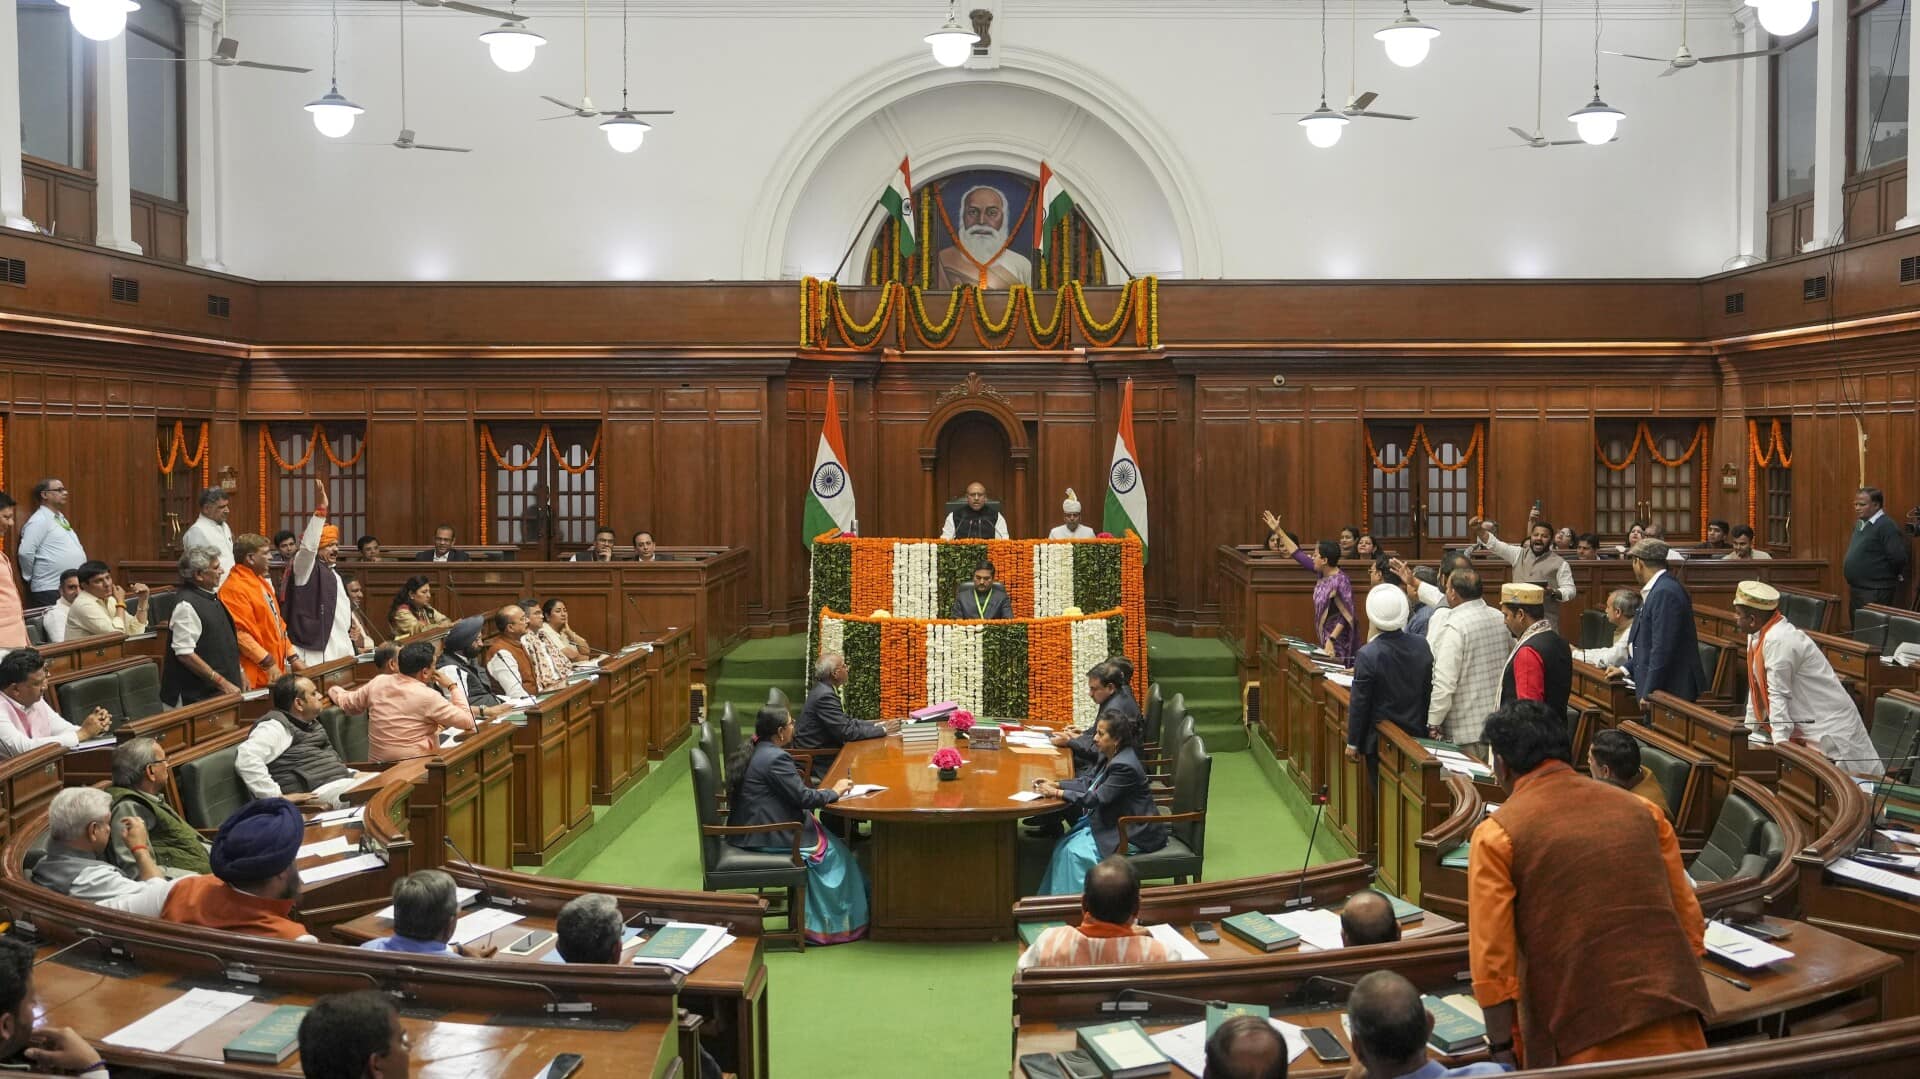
<point>1541,667</point>
<point>1792,693</point>
<point>1073,529</point>
<point>319,615</point>
<point>254,884</point>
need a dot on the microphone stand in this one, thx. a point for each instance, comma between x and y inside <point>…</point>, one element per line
<point>1305,993</point>
<point>1127,1001</point>
<point>1300,898</point>
<point>486,894</point>
<point>554,1005</point>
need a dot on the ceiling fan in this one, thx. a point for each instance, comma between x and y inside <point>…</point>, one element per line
<point>1536,140</point>
<point>1359,103</point>
<point>1491,5</point>
<point>623,126</point>
<point>1683,57</point>
<point>473,9</point>
<point>406,140</point>
<point>225,54</point>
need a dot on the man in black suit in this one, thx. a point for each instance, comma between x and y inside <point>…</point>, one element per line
<point>1392,676</point>
<point>1664,650</point>
<point>601,551</point>
<point>443,549</point>
<point>984,598</point>
<point>824,726</point>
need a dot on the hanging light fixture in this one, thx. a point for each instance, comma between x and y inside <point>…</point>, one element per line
<point>1598,122</point>
<point>1323,125</point>
<point>99,20</point>
<point>1783,18</point>
<point>1408,39</point>
<point>511,44</point>
<point>954,41</point>
<point>625,131</point>
<point>332,114</point>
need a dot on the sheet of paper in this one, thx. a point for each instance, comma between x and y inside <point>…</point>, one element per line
<point>345,867</point>
<point>1898,836</point>
<point>861,790</point>
<point>1127,1048</point>
<point>327,848</point>
<point>94,743</point>
<point>1898,883</point>
<point>1319,929</point>
<point>481,922</point>
<point>1024,796</point>
<point>261,693</point>
<point>463,896</point>
<point>1742,949</point>
<point>332,815</point>
<point>1338,679</point>
<point>1181,947</point>
<point>170,1024</point>
<point>1187,1045</point>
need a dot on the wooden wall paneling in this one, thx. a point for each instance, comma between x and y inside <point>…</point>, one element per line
<point>739,483</point>
<point>626,445</point>
<point>449,480</point>
<point>397,478</point>
<point>1515,475</point>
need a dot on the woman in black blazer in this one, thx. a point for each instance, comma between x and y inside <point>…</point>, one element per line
<point>1116,788</point>
<point>766,788</point>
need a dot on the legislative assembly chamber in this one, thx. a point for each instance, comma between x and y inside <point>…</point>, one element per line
<point>1042,538</point>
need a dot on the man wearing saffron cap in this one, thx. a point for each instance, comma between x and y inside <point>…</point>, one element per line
<point>1792,693</point>
<point>254,883</point>
<point>319,616</point>
<point>1073,529</point>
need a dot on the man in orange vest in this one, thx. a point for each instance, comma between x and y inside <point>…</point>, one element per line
<point>265,651</point>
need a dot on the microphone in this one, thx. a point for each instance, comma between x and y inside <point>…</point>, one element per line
<point>83,938</point>
<point>646,920</point>
<point>1300,898</point>
<point>553,1006</point>
<point>636,609</point>
<point>1128,1001</point>
<point>1879,631</point>
<point>486,894</point>
<point>1332,986</point>
<point>230,970</point>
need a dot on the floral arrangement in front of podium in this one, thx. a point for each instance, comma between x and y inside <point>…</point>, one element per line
<point>948,760</point>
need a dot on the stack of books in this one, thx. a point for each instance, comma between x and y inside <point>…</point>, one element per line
<point>1260,931</point>
<point>920,734</point>
<point>1459,1026</point>
<point>933,712</point>
<point>984,736</point>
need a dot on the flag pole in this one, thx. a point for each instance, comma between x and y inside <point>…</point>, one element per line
<point>862,231</point>
<point>1095,229</point>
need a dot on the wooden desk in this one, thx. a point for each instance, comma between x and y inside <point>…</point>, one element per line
<point>467,796</point>
<point>553,754</point>
<point>1723,739</point>
<point>1301,705</point>
<point>1413,800</point>
<point>85,652</point>
<point>623,699</point>
<point>671,664</point>
<point>1613,696</point>
<point>1180,904</point>
<point>943,851</point>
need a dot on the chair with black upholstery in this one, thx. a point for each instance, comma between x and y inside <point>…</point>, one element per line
<point>36,631</point>
<point>210,788</point>
<point>1713,655</point>
<point>777,696</point>
<point>1152,711</point>
<point>730,739</point>
<point>1896,731</point>
<point>725,867</point>
<point>1811,611</point>
<point>1745,843</point>
<point>1185,853</point>
<point>140,691</point>
<point>75,698</point>
<point>1595,630</point>
<point>1179,732</point>
<point>1672,773</point>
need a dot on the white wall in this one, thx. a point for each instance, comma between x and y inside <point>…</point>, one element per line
<point>792,113</point>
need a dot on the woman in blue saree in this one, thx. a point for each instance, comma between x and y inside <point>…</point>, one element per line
<point>1117,787</point>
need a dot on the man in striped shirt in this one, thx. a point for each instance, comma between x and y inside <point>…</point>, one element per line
<point>1106,934</point>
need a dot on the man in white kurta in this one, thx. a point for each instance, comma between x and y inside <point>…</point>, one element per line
<point>1072,529</point>
<point>210,529</point>
<point>1792,693</point>
<point>318,613</point>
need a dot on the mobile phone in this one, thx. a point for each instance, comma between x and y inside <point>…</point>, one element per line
<point>563,1065</point>
<point>1077,1064</point>
<point>1205,933</point>
<point>525,945</point>
<point>1874,857</point>
<point>1324,1044</point>
<point>1041,1066</point>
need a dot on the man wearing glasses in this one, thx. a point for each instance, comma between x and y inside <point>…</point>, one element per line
<point>48,544</point>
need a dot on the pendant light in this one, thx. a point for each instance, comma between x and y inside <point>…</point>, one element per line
<point>99,20</point>
<point>1408,39</point>
<point>332,114</point>
<point>954,41</point>
<point>1598,123</point>
<point>511,44</point>
<point>625,131</point>
<point>1323,125</point>
<point>1783,18</point>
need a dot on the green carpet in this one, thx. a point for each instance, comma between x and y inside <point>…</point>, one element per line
<point>953,1001</point>
<point>744,673</point>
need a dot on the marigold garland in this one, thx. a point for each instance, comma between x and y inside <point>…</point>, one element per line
<point>940,336</point>
<point>3,449</point>
<point>1644,437</point>
<point>1419,444</point>
<point>1757,459</point>
<point>177,447</point>
<point>872,577</point>
<point>1013,567</point>
<point>900,314</point>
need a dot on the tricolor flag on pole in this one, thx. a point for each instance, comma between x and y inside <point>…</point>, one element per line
<point>1055,205</point>
<point>898,199</point>
<point>1126,490</point>
<point>830,493</point>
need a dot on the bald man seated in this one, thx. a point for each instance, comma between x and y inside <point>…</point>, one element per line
<point>1368,918</point>
<point>1389,1027</point>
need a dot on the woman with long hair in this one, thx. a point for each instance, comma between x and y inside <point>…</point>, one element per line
<point>559,632</point>
<point>765,788</point>
<point>412,608</point>
<point>1332,595</point>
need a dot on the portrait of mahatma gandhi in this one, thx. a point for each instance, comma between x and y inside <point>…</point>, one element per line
<point>983,257</point>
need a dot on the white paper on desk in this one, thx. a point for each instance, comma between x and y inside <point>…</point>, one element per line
<point>332,816</point>
<point>1338,679</point>
<point>326,848</point>
<point>1909,863</point>
<point>481,922</point>
<point>521,702</point>
<point>172,1023</point>
<point>345,867</point>
<point>1024,796</point>
<point>255,694</point>
<point>1319,929</point>
<point>1181,947</point>
<point>861,790</point>
<point>1187,1045</point>
<point>462,896</point>
<point>93,743</point>
<point>713,940</point>
<point>1742,949</point>
<point>1879,878</point>
<point>1898,836</point>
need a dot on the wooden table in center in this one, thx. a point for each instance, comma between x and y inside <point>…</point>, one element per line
<point>944,853</point>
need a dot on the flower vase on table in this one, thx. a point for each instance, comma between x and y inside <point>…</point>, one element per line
<point>960,724</point>
<point>948,760</point>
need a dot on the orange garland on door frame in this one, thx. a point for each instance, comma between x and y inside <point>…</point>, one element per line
<point>1642,436</point>
<point>268,451</point>
<point>489,450</point>
<point>3,451</point>
<point>178,446</point>
<point>1419,444</point>
<point>1757,459</point>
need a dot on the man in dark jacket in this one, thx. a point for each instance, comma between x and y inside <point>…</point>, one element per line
<point>203,657</point>
<point>1392,676</point>
<point>984,598</point>
<point>1541,667</point>
<point>824,726</point>
<point>443,549</point>
<point>462,656</point>
<point>1876,553</point>
<point>1665,650</point>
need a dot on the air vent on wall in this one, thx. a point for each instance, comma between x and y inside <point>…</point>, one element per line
<point>1910,269</point>
<point>13,271</point>
<point>1736,302</point>
<point>219,306</point>
<point>1814,288</point>
<point>125,289</point>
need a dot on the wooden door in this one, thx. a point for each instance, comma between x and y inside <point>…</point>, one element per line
<point>546,488</point>
<point>972,448</point>
<point>1423,485</point>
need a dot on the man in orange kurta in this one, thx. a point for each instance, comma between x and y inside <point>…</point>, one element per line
<point>1583,928</point>
<point>265,651</point>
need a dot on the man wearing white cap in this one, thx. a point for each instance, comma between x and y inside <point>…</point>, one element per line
<point>1392,676</point>
<point>1073,529</point>
<point>1792,693</point>
<point>1541,667</point>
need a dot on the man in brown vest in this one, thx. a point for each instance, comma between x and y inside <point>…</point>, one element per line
<point>1579,884</point>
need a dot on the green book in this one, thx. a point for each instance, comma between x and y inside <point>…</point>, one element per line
<point>1435,743</point>
<point>1453,1029</point>
<point>1260,931</point>
<point>1217,1015</point>
<point>1030,931</point>
<point>1404,911</point>
<point>671,942</point>
<point>270,1041</point>
<point>1123,1051</point>
<point>1456,858</point>
<point>1903,813</point>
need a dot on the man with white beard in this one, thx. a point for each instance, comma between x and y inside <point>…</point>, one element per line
<point>983,258</point>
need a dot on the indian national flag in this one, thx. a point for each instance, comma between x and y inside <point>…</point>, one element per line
<point>830,493</point>
<point>1126,490</point>
<point>898,199</point>
<point>1055,205</point>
